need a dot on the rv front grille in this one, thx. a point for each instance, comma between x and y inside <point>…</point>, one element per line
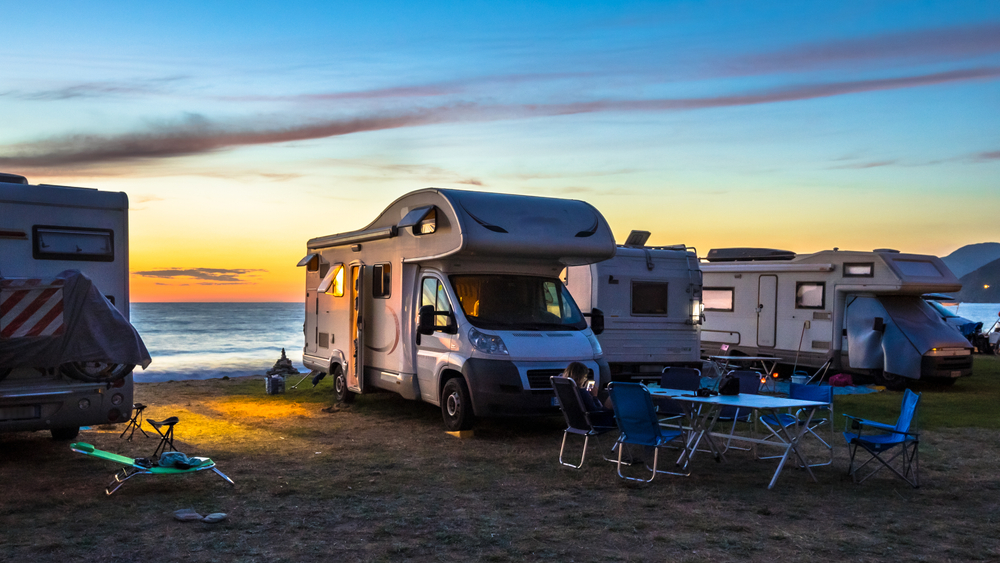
<point>539,378</point>
<point>527,334</point>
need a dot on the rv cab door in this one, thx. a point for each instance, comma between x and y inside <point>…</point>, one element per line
<point>355,371</point>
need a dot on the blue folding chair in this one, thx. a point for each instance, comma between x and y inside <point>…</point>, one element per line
<point>818,393</point>
<point>578,420</point>
<point>901,440</point>
<point>749,385</point>
<point>639,426</point>
<point>685,379</point>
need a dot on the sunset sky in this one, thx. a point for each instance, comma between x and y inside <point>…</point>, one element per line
<point>240,130</point>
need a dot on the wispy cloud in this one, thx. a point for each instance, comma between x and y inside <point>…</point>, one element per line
<point>921,46</point>
<point>863,165</point>
<point>205,276</point>
<point>987,156</point>
<point>95,90</point>
<point>198,135</point>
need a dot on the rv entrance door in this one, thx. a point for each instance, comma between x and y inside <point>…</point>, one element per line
<point>767,300</point>
<point>355,372</point>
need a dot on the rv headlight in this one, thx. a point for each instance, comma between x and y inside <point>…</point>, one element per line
<point>487,343</point>
<point>596,345</point>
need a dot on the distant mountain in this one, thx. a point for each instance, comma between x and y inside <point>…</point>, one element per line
<point>981,285</point>
<point>972,257</point>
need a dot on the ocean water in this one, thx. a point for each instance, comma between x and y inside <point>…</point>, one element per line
<point>212,340</point>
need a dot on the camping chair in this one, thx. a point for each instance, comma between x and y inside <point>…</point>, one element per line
<point>135,423</point>
<point>749,385</point>
<point>142,467</point>
<point>577,418</point>
<point>819,393</point>
<point>639,426</point>
<point>686,379</point>
<point>900,438</point>
<point>166,437</point>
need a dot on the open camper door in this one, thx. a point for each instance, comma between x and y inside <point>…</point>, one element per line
<point>355,372</point>
<point>767,302</point>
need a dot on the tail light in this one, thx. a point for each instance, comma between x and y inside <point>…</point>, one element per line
<point>114,415</point>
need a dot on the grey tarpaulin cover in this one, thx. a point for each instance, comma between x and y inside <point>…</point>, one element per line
<point>912,328</point>
<point>33,333</point>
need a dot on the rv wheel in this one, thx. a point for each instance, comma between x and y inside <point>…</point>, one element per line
<point>456,407</point>
<point>891,381</point>
<point>96,372</point>
<point>340,387</point>
<point>62,434</point>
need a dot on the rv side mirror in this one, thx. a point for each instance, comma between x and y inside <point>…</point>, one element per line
<point>425,324</point>
<point>597,321</point>
<point>879,325</point>
<point>452,327</point>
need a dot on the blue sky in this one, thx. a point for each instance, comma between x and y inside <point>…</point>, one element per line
<point>240,130</point>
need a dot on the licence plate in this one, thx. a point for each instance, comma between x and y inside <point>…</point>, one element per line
<point>956,373</point>
<point>20,413</point>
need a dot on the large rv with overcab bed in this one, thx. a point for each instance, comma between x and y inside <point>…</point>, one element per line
<point>650,297</point>
<point>859,312</point>
<point>453,298</point>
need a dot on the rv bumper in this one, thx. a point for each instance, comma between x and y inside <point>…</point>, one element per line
<point>946,366</point>
<point>497,387</point>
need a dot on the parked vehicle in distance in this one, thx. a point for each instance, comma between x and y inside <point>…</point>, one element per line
<point>46,230</point>
<point>453,298</point>
<point>969,329</point>
<point>860,311</point>
<point>650,297</point>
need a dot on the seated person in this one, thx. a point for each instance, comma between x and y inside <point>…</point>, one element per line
<point>599,415</point>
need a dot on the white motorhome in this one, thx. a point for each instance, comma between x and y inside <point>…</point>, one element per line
<point>453,298</point>
<point>650,297</point>
<point>44,231</point>
<point>861,311</point>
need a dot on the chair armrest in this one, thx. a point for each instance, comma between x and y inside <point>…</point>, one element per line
<point>862,423</point>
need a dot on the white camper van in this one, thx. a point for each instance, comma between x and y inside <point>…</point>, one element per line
<point>45,231</point>
<point>861,311</point>
<point>650,297</point>
<point>453,298</point>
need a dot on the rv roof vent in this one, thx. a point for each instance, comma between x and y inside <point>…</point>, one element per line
<point>747,254</point>
<point>886,250</point>
<point>637,239</point>
<point>13,179</point>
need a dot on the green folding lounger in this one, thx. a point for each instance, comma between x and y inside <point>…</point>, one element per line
<point>135,468</point>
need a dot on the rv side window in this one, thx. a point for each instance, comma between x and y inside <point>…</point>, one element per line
<point>333,282</point>
<point>865,270</point>
<point>73,243</point>
<point>718,299</point>
<point>381,280</point>
<point>649,298</point>
<point>810,295</point>
<point>433,293</point>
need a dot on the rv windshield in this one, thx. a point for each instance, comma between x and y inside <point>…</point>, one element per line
<point>505,302</point>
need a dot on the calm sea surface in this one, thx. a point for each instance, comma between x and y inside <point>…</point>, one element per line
<point>212,340</point>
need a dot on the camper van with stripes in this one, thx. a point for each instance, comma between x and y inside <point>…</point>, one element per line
<point>63,256</point>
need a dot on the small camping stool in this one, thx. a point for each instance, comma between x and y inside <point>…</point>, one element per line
<point>166,438</point>
<point>135,423</point>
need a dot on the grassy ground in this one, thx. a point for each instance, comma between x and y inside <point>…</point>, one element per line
<point>380,480</point>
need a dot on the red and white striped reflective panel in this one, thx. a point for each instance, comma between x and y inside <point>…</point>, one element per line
<point>31,307</point>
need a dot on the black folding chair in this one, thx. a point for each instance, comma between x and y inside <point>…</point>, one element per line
<point>578,420</point>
